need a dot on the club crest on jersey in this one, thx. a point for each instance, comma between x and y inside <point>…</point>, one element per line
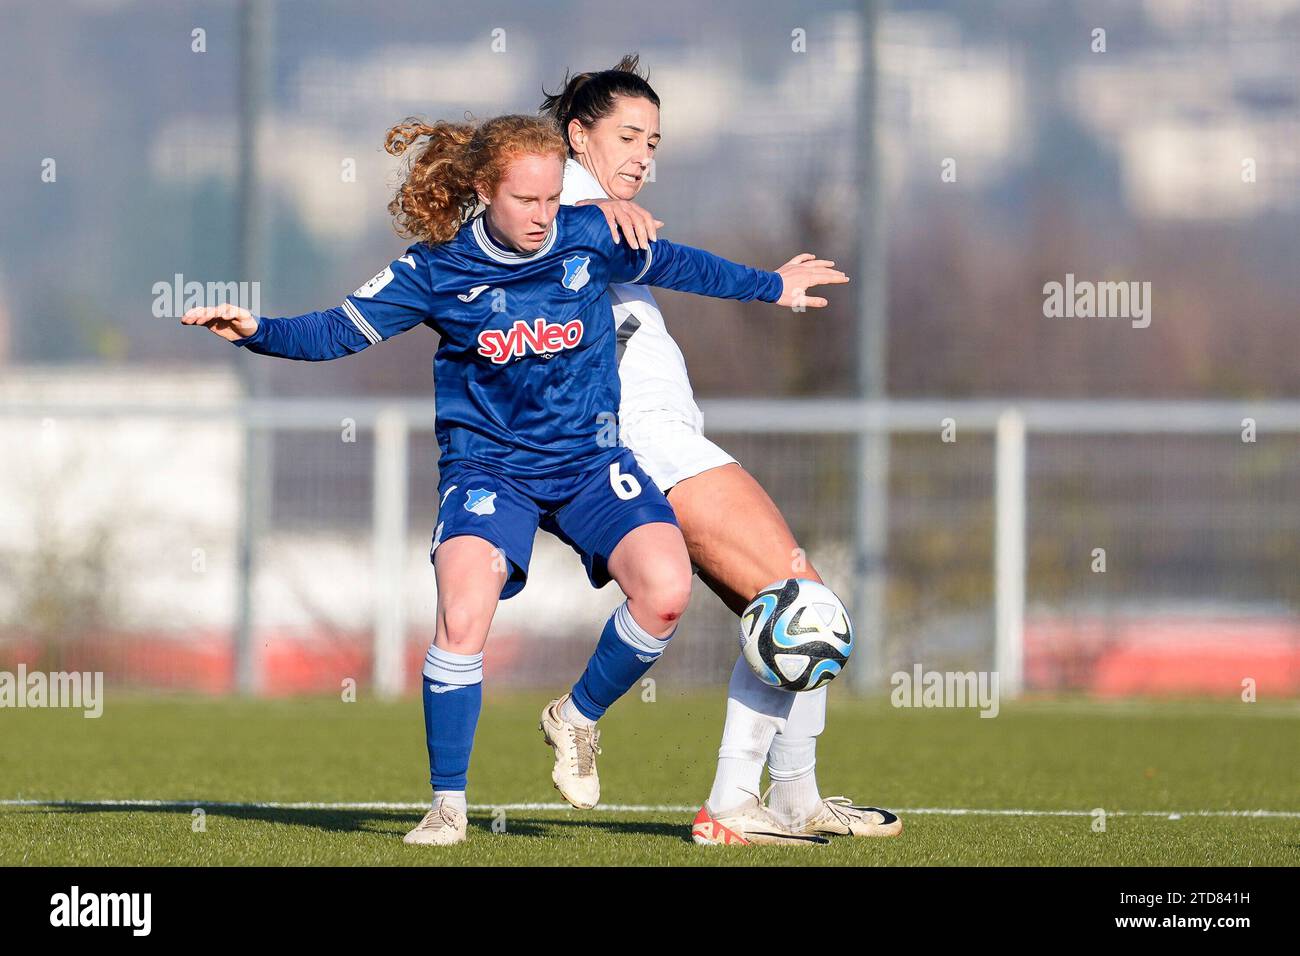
<point>575,272</point>
<point>539,337</point>
<point>480,501</point>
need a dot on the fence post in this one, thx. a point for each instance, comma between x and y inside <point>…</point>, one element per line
<point>389,517</point>
<point>257,479</point>
<point>870,594</point>
<point>1009,552</point>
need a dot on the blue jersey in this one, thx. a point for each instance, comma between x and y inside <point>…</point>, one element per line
<point>525,375</point>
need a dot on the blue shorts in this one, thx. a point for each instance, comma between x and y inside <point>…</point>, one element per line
<point>591,512</point>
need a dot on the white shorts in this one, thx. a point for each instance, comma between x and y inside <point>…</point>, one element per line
<point>669,449</point>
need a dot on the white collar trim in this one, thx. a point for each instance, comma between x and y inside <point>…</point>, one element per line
<point>498,254</point>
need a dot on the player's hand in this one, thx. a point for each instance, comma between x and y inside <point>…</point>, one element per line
<point>228,321</point>
<point>802,273</point>
<point>638,225</point>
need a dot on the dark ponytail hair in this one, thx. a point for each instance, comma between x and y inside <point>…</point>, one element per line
<point>589,97</point>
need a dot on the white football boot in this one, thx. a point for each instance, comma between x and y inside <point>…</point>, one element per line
<point>442,826</point>
<point>838,817</point>
<point>751,823</point>
<point>574,773</point>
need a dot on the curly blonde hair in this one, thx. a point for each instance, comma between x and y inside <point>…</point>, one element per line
<point>445,174</point>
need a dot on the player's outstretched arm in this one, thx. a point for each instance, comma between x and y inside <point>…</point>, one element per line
<point>393,301</point>
<point>669,265</point>
<point>315,337</point>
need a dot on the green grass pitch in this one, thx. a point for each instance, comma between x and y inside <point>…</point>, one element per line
<point>1149,760</point>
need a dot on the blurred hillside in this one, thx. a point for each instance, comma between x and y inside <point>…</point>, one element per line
<point>1123,165</point>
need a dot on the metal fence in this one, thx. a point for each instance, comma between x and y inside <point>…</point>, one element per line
<point>1065,545</point>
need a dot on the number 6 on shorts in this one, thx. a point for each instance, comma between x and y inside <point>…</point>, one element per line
<point>625,486</point>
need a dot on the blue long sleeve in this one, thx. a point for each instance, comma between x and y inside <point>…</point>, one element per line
<point>395,300</point>
<point>670,265</point>
<point>314,337</point>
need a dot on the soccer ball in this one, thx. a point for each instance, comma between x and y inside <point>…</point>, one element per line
<point>796,634</point>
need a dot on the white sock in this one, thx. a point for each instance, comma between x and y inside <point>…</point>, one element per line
<point>792,765</point>
<point>455,798</point>
<point>574,716</point>
<point>737,780</point>
<point>755,712</point>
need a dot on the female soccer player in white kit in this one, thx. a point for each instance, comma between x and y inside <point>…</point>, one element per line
<point>736,536</point>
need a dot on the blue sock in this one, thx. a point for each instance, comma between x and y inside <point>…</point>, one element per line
<point>453,697</point>
<point>623,654</point>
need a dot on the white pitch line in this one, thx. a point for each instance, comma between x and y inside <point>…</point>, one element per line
<point>1167,814</point>
<point>311,805</point>
<point>636,808</point>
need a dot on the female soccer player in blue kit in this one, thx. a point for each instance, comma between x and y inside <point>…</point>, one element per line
<point>525,380</point>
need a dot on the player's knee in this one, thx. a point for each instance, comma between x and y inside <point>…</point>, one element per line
<point>464,628</point>
<point>668,597</point>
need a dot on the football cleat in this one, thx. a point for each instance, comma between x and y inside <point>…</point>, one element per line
<point>574,773</point>
<point>838,817</point>
<point>751,823</point>
<point>441,826</point>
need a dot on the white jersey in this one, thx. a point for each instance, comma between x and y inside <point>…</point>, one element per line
<point>658,418</point>
<point>650,365</point>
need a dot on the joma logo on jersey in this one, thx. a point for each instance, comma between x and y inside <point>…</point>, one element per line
<point>539,337</point>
